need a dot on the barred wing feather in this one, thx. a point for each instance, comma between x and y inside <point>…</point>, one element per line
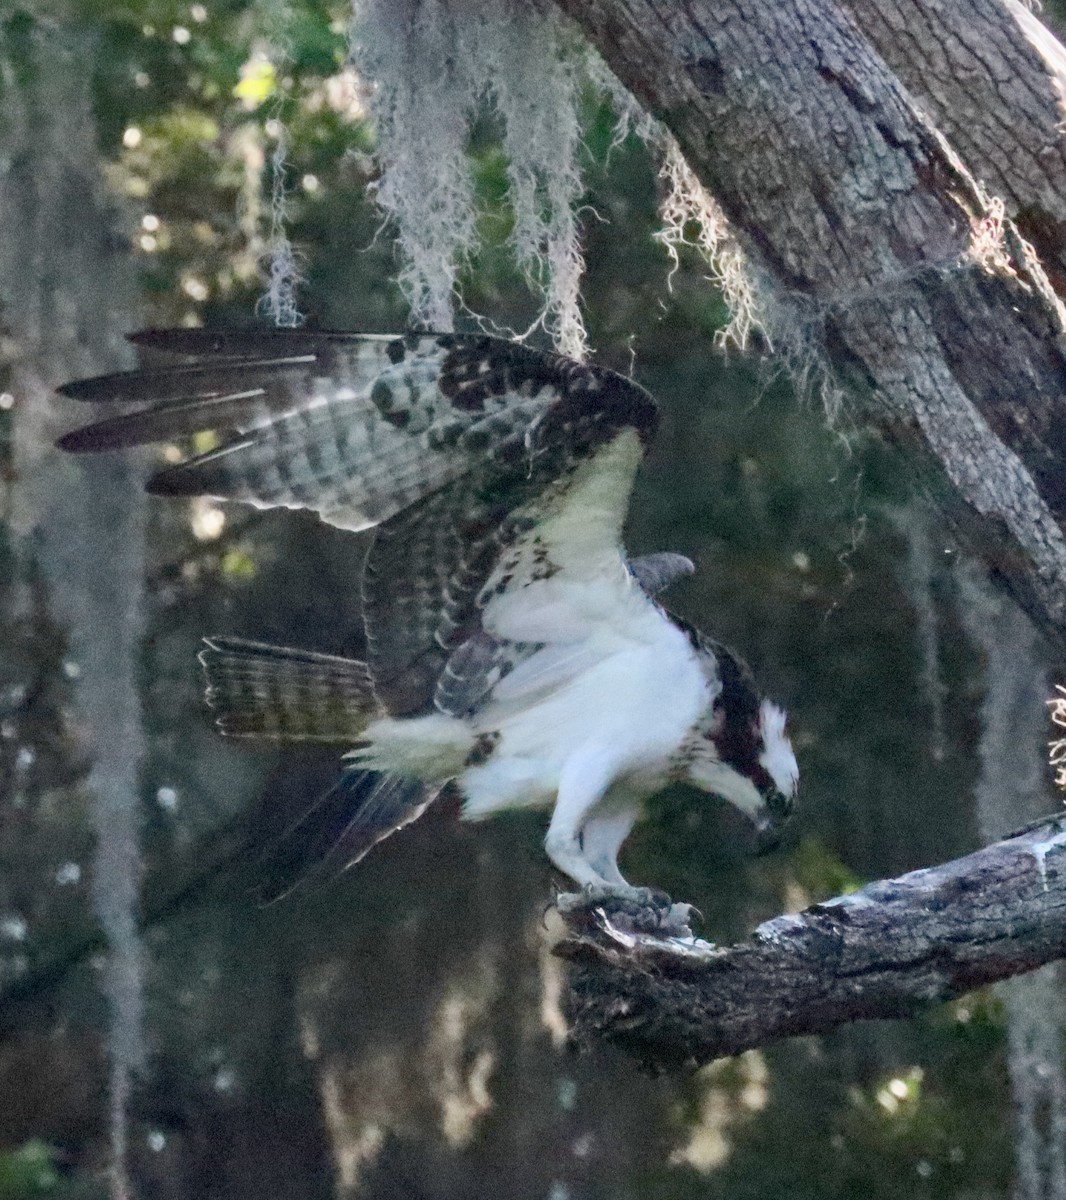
<point>354,427</point>
<point>454,573</point>
<point>488,468</point>
<point>498,480</point>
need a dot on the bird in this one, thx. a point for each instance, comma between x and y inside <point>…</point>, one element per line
<point>513,652</point>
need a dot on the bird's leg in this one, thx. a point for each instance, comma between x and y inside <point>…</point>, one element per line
<point>602,838</point>
<point>583,842</point>
<point>582,783</point>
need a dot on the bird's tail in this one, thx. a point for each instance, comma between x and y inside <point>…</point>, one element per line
<point>339,828</point>
<point>256,690</point>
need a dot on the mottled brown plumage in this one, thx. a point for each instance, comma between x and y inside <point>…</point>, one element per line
<point>448,445</point>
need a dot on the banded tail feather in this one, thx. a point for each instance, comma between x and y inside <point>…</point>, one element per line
<point>262,691</point>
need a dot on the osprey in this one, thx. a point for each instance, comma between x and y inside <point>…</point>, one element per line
<point>512,651</point>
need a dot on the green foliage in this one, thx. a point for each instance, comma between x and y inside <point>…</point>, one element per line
<point>28,1171</point>
<point>820,872</point>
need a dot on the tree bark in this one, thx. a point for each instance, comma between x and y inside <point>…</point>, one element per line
<point>892,949</point>
<point>878,255</point>
<point>67,294</point>
<point>991,77</point>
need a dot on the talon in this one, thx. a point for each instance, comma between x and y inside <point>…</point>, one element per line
<point>679,916</point>
<point>592,895</point>
<point>566,902</point>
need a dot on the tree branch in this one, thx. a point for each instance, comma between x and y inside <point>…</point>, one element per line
<point>892,949</point>
<point>877,254</point>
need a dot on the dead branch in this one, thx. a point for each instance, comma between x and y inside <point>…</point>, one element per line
<point>892,949</point>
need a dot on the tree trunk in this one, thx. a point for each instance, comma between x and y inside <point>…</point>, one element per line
<point>878,255</point>
<point>991,77</point>
<point>67,296</point>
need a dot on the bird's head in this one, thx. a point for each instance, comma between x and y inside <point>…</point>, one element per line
<point>752,766</point>
<point>778,776</point>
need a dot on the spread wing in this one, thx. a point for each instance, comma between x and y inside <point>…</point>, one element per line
<point>354,427</point>
<point>498,478</point>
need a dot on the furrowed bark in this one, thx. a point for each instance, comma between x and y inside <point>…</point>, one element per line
<point>877,252</point>
<point>991,77</point>
<point>892,949</point>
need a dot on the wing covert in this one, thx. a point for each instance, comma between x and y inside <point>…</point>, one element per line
<point>461,589</point>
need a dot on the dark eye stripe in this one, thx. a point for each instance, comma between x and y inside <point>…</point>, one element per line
<point>738,741</point>
<point>763,780</point>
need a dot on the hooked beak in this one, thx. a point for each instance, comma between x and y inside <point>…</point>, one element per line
<point>767,807</point>
<point>770,823</point>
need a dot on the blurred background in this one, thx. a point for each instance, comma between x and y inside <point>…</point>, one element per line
<point>397,1034</point>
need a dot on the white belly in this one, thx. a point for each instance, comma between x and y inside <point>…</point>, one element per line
<point>627,699</point>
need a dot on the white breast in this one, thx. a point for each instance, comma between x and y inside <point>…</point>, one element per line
<point>630,695</point>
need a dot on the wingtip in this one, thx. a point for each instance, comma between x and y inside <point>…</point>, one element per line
<point>71,443</point>
<point>89,439</point>
<point>174,482</point>
<point>198,342</point>
<point>97,387</point>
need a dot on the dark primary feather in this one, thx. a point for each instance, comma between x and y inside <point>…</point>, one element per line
<point>340,828</point>
<point>241,343</point>
<point>355,427</point>
<point>183,384</point>
<point>352,429</point>
<point>187,399</point>
<point>162,423</point>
